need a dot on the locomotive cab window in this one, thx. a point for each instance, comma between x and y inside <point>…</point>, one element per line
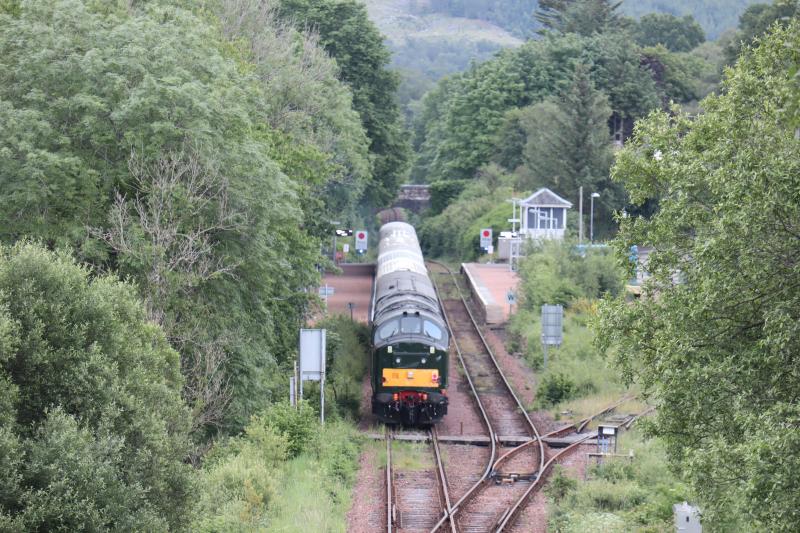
<point>433,331</point>
<point>410,324</point>
<point>386,330</point>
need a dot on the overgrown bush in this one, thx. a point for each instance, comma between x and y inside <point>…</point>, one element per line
<point>559,484</point>
<point>286,473</point>
<point>634,494</point>
<point>347,361</point>
<point>556,388</point>
<point>93,431</point>
<point>556,272</point>
<point>481,204</point>
<point>443,192</point>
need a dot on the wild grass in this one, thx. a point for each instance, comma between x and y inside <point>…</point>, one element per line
<point>578,380</point>
<point>411,456</point>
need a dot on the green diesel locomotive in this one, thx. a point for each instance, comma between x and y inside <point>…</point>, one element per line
<point>409,334</point>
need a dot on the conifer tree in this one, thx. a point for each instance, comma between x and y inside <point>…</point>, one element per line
<point>568,141</point>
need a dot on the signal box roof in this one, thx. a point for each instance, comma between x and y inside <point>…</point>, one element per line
<point>544,197</point>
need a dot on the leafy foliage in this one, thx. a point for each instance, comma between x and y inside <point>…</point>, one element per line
<point>720,314</point>
<point>584,17</point>
<point>349,36</point>
<point>568,144</point>
<point>250,482</point>
<point>460,125</point>
<point>201,170</point>
<point>347,350</point>
<point>455,231</point>
<point>676,34</point>
<point>557,273</point>
<point>92,427</point>
<point>756,21</point>
<point>635,494</point>
<point>715,16</point>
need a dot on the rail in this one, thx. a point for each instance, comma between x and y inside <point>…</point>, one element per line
<point>536,437</point>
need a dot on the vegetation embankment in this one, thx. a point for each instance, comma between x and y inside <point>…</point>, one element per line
<point>632,493</point>
<point>714,340</point>
<point>196,151</point>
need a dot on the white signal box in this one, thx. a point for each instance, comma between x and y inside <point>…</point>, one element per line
<point>486,238</point>
<point>361,239</point>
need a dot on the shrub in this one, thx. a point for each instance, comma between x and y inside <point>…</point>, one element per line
<point>443,192</point>
<point>559,484</point>
<point>298,426</point>
<point>239,480</point>
<point>348,360</point>
<point>556,388</point>
<point>92,427</point>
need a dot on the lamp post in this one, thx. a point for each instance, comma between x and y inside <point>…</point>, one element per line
<point>591,217</point>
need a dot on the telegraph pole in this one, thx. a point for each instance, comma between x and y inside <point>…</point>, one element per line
<point>580,215</point>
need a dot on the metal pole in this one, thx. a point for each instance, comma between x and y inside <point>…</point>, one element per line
<point>322,379</point>
<point>544,349</point>
<point>591,221</point>
<point>580,215</point>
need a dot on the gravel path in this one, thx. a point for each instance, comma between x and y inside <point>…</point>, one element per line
<point>367,513</point>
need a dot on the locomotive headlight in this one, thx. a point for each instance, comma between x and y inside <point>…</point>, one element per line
<point>397,360</point>
<point>433,350</point>
<point>424,360</point>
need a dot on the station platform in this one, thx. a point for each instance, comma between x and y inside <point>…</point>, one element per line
<point>352,286</point>
<point>490,284</point>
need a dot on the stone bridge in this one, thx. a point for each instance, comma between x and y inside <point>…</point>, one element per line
<point>413,197</point>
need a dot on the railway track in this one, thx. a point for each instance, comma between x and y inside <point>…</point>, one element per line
<point>511,474</point>
<point>505,477</point>
<point>417,498</point>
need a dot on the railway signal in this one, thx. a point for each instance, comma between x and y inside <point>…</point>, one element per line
<point>486,238</point>
<point>361,240</point>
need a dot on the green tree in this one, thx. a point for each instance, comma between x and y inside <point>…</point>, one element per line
<point>353,40</point>
<point>584,17</point>
<point>93,431</point>
<point>568,142</point>
<point>714,341</point>
<point>755,21</point>
<point>468,116</point>
<point>186,168</point>
<point>677,34</point>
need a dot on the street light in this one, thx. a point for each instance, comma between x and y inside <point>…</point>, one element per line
<point>591,217</point>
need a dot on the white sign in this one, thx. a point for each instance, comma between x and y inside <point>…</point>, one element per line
<point>312,354</point>
<point>326,291</point>
<point>486,238</point>
<point>345,248</point>
<point>552,330</point>
<point>361,239</point>
<point>511,297</point>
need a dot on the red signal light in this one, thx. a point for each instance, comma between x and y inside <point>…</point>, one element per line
<point>424,396</point>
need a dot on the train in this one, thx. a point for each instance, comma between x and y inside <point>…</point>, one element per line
<point>410,340</point>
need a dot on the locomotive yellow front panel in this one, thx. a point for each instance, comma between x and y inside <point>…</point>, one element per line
<point>411,377</point>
